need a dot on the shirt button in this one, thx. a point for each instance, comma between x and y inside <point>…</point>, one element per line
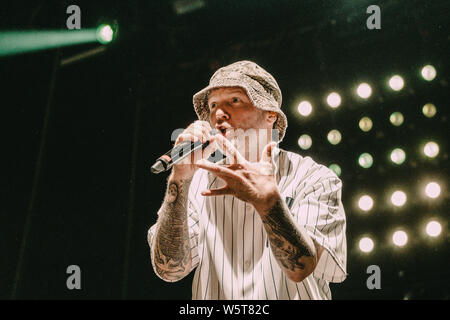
<point>247,264</point>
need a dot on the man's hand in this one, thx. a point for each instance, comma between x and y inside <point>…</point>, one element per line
<point>253,182</point>
<point>196,131</point>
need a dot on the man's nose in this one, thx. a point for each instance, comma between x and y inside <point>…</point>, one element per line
<point>221,114</point>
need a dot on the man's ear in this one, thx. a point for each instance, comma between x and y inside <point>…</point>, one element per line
<point>271,117</point>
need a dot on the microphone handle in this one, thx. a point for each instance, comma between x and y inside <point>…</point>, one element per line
<point>178,153</point>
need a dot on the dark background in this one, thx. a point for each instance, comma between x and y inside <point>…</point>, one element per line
<point>78,140</point>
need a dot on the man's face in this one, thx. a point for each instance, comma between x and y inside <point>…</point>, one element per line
<point>231,108</point>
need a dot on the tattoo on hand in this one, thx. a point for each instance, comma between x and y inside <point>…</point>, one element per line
<point>286,241</point>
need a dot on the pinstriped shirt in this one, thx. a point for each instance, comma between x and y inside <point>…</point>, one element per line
<point>230,249</point>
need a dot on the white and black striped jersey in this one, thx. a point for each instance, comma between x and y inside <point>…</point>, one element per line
<point>231,254</point>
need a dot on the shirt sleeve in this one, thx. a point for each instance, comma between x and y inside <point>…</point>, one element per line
<point>193,227</point>
<point>318,208</point>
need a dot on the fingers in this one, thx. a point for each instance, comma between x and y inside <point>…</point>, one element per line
<point>267,152</point>
<point>218,170</point>
<point>185,137</point>
<point>228,149</point>
<point>197,131</point>
<point>216,192</point>
<point>201,127</point>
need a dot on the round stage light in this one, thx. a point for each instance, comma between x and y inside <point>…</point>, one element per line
<point>334,100</point>
<point>433,228</point>
<point>396,83</point>
<point>305,142</point>
<point>105,34</point>
<point>431,149</point>
<point>365,203</point>
<point>432,190</point>
<point>365,124</point>
<point>365,160</point>
<point>398,198</point>
<point>364,90</point>
<point>304,108</point>
<point>366,244</point>
<point>400,238</point>
<point>334,137</point>
<point>336,169</point>
<point>396,118</point>
<point>429,110</point>
<point>398,156</point>
<point>428,72</point>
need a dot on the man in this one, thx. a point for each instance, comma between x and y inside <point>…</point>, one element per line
<point>266,228</point>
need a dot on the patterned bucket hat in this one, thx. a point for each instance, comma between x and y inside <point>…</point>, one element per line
<point>261,88</point>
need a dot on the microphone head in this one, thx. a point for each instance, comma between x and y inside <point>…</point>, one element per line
<point>158,167</point>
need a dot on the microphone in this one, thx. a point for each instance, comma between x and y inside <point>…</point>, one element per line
<point>178,153</point>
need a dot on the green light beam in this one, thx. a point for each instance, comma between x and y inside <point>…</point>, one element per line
<point>18,42</point>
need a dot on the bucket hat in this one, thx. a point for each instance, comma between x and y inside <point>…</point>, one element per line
<point>260,86</point>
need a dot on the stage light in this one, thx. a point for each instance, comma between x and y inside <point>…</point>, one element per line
<point>366,244</point>
<point>396,118</point>
<point>431,149</point>
<point>336,169</point>
<point>396,83</point>
<point>365,203</point>
<point>364,90</point>
<point>432,190</point>
<point>398,198</point>
<point>433,228</point>
<point>429,110</point>
<point>398,156</point>
<point>304,108</point>
<point>334,137</point>
<point>428,72</point>
<point>334,100</point>
<point>305,142</point>
<point>365,124</point>
<point>365,160</point>
<point>105,34</point>
<point>400,238</point>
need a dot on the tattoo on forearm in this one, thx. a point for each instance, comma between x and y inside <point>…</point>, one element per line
<point>286,241</point>
<point>171,244</point>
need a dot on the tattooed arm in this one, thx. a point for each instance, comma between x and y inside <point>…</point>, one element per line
<point>293,248</point>
<point>170,249</point>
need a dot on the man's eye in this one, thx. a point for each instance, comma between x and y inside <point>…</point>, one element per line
<point>235,100</point>
<point>213,105</point>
